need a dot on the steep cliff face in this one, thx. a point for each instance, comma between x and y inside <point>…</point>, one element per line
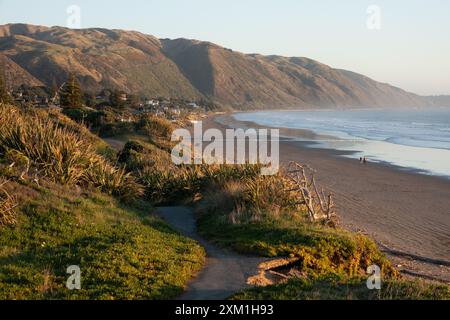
<point>143,64</point>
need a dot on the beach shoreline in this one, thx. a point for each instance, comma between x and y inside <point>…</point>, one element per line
<point>407,213</point>
<point>309,139</point>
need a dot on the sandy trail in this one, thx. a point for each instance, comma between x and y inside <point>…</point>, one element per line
<point>225,272</point>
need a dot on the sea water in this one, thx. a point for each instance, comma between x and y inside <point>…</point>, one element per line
<point>414,139</point>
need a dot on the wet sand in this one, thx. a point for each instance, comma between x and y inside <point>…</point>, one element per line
<point>407,213</point>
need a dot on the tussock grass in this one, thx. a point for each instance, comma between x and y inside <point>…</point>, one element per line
<point>8,204</point>
<point>114,181</point>
<point>189,182</point>
<point>165,182</point>
<point>158,130</point>
<point>61,154</point>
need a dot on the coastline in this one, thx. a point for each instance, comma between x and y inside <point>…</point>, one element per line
<point>407,213</point>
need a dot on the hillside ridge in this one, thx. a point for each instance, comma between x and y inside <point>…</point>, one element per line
<point>190,69</point>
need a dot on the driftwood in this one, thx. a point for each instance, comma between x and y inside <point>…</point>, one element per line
<point>319,205</point>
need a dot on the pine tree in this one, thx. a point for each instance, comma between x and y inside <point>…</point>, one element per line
<point>116,99</point>
<point>71,95</point>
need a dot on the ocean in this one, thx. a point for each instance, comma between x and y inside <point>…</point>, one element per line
<point>413,139</point>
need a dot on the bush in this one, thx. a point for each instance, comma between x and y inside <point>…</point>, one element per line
<point>258,196</point>
<point>155,127</point>
<point>85,116</point>
<point>116,129</point>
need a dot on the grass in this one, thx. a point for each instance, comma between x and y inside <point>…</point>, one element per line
<point>336,288</point>
<point>320,249</point>
<point>123,252</point>
<point>64,202</point>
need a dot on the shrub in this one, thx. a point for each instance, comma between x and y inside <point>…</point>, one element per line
<point>251,197</point>
<point>155,127</point>
<point>85,116</point>
<point>116,129</point>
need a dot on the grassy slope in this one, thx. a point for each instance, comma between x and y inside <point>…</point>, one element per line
<point>321,250</point>
<point>123,252</point>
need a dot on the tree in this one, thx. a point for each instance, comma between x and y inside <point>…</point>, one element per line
<point>89,99</point>
<point>71,94</point>
<point>118,99</point>
<point>133,100</point>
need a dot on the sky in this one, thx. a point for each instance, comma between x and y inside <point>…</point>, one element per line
<point>404,42</point>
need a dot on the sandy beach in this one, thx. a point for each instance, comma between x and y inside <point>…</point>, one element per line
<point>407,213</point>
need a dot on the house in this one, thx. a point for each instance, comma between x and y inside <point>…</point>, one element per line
<point>152,102</point>
<point>127,120</point>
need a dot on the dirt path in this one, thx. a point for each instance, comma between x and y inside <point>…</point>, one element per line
<point>225,272</point>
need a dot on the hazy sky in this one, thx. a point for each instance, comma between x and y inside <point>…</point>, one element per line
<point>411,50</point>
